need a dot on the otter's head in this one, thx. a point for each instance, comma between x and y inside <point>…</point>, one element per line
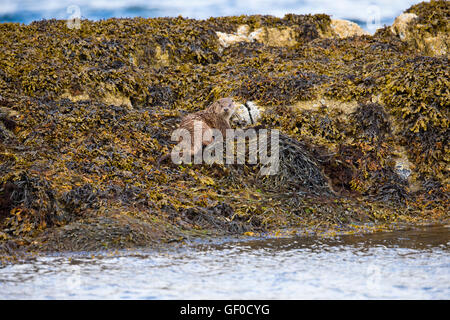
<point>224,108</point>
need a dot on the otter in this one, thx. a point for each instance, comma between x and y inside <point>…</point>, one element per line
<point>216,116</point>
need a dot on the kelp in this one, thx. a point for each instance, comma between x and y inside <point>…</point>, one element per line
<point>430,31</point>
<point>418,96</point>
<point>86,113</point>
<point>433,16</point>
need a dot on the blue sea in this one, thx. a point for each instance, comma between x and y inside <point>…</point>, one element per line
<point>369,14</point>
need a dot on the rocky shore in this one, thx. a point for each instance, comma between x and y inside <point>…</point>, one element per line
<point>86,112</point>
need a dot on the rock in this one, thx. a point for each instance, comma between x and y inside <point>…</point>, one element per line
<point>246,114</point>
<point>111,97</point>
<point>427,36</point>
<point>345,28</point>
<point>400,26</point>
<point>275,37</point>
<point>435,46</point>
<point>402,168</point>
<point>254,111</point>
<point>227,39</point>
<point>405,169</point>
<point>286,36</point>
<point>162,56</point>
<point>117,99</point>
<point>243,30</point>
<point>346,107</point>
<point>75,98</point>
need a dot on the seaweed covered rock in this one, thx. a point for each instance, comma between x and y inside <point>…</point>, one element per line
<point>418,96</point>
<point>425,26</point>
<point>402,23</point>
<point>86,113</point>
<point>345,28</point>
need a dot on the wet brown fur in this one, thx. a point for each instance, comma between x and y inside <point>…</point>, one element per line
<point>216,116</point>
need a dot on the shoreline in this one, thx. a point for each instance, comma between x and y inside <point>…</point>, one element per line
<point>26,254</point>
